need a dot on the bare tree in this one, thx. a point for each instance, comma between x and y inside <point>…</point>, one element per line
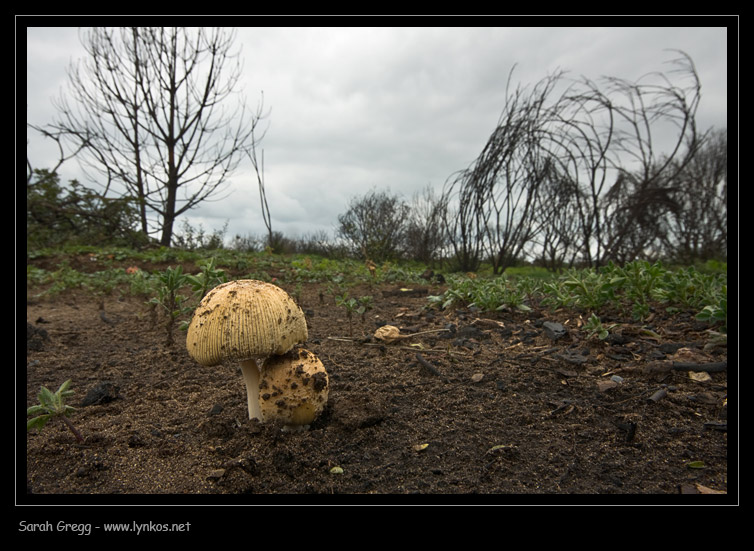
<point>558,241</point>
<point>606,140</point>
<point>155,114</point>
<point>496,197</point>
<point>578,141</point>
<point>62,158</point>
<point>259,170</point>
<point>644,112</point>
<point>374,225</point>
<point>424,231</point>
<point>698,230</point>
<point>464,221</point>
<point>637,210</point>
<point>522,167</point>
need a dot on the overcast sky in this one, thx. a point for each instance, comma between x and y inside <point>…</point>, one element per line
<point>355,109</point>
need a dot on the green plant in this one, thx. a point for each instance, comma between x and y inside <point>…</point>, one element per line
<point>642,282</point>
<point>485,294</point>
<point>140,282</point>
<point>192,239</point>
<point>593,289</point>
<point>594,327</point>
<point>169,283</point>
<point>354,306</point>
<point>52,406</point>
<point>58,214</point>
<point>716,313</point>
<point>350,304</point>
<point>208,277</point>
<point>366,303</point>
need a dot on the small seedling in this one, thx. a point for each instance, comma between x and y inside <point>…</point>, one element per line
<point>52,405</point>
<point>366,303</point>
<point>716,313</point>
<point>171,280</point>
<point>354,306</point>
<point>351,305</point>
<point>594,326</point>
<point>208,277</point>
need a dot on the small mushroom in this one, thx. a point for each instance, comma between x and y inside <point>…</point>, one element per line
<point>293,389</point>
<point>246,321</point>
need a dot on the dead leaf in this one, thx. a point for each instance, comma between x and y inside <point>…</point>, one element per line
<point>494,324</point>
<point>388,334</point>
<point>604,386</point>
<point>700,376</point>
<point>689,355</point>
<point>500,447</point>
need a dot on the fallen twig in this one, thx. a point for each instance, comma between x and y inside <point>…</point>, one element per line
<point>714,367</point>
<point>390,333</point>
<point>360,342</point>
<point>426,365</point>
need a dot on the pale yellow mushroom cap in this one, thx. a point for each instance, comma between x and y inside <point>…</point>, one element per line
<point>293,388</point>
<point>242,320</point>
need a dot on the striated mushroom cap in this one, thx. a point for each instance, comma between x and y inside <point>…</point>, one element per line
<point>293,388</point>
<point>242,320</point>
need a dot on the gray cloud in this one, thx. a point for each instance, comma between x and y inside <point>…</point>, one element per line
<point>400,108</point>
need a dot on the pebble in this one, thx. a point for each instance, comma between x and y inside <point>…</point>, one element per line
<point>554,330</point>
<point>102,393</point>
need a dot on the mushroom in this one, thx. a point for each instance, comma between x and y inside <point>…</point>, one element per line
<point>293,389</point>
<point>246,321</point>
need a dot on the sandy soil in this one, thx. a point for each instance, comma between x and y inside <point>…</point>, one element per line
<point>490,405</point>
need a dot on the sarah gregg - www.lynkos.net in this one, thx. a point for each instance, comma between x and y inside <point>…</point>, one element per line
<point>85,529</point>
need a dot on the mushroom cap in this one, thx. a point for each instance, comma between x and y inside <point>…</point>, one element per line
<point>244,319</point>
<point>293,388</point>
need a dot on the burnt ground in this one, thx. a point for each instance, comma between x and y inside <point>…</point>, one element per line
<point>493,408</point>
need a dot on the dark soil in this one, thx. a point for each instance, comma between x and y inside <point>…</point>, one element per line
<point>482,408</point>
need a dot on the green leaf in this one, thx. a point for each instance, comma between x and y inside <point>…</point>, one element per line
<point>37,422</point>
<point>46,398</point>
<point>33,410</point>
<point>64,386</point>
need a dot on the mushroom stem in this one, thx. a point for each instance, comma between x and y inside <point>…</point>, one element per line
<point>250,371</point>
